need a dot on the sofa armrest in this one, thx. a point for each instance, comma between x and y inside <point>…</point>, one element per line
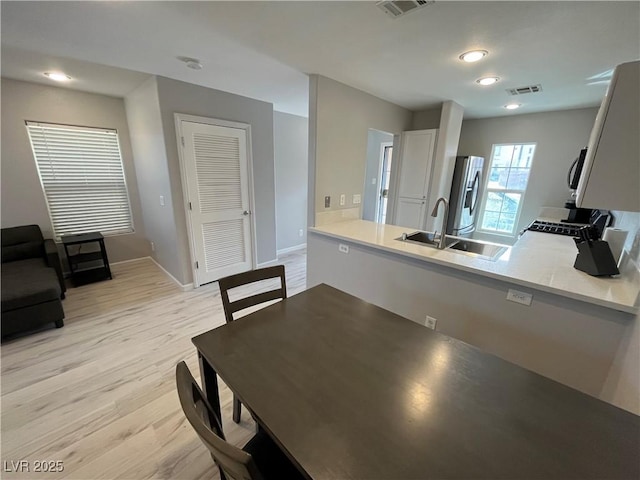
<point>53,261</point>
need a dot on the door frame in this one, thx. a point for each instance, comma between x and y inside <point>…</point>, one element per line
<point>383,146</point>
<point>183,117</point>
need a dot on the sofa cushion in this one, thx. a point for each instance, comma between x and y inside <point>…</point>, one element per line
<point>20,243</point>
<point>22,251</point>
<point>28,282</point>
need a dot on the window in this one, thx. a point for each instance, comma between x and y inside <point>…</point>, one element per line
<point>82,177</point>
<point>506,184</point>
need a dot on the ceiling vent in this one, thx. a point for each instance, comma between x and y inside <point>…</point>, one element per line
<point>523,90</point>
<point>397,8</point>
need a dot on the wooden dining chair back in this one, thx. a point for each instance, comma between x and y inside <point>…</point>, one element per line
<point>247,278</point>
<point>234,463</point>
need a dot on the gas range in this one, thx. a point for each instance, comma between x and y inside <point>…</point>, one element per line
<point>600,219</point>
<point>567,229</point>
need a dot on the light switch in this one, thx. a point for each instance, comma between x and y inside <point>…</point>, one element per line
<point>162,200</point>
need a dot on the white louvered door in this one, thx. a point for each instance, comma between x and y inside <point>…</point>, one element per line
<point>215,163</point>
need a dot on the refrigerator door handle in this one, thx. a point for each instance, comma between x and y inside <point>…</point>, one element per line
<point>475,190</point>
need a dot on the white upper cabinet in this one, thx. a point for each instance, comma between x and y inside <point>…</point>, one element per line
<point>611,174</point>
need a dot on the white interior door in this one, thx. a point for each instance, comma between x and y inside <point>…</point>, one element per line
<point>216,169</point>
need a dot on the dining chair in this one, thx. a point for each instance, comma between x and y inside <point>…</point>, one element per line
<point>259,459</point>
<point>247,278</point>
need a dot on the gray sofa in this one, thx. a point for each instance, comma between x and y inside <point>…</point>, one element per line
<point>32,281</point>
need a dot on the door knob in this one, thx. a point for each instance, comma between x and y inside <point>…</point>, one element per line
<point>247,212</point>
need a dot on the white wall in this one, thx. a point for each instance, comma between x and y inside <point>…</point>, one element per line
<point>444,159</point>
<point>23,200</point>
<point>559,137</point>
<point>290,150</point>
<point>622,387</point>
<point>339,121</point>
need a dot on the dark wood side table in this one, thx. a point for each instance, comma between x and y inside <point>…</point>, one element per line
<point>88,266</point>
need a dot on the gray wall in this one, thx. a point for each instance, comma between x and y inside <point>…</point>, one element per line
<point>372,170</point>
<point>147,141</point>
<point>339,121</point>
<point>426,119</point>
<point>559,137</point>
<point>291,150</point>
<point>569,341</point>
<point>186,98</point>
<point>23,200</point>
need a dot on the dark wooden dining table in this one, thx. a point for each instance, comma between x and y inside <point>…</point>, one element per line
<point>352,391</point>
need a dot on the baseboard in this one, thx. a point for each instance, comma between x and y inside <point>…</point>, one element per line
<point>295,248</point>
<point>188,286</point>
<point>129,261</point>
<point>270,263</point>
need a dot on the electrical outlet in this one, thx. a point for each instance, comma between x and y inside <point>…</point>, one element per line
<point>519,297</point>
<point>153,247</point>
<point>374,181</point>
<point>343,248</point>
<point>356,198</point>
<point>430,322</point>
<point>327,201</point>
<point>300,232</point>
<point>343,199</point>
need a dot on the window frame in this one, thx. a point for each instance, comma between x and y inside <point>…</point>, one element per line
<point>56,235</point>
<point>486,190</point>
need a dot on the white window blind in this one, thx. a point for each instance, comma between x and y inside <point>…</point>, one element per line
<point>82,177</point>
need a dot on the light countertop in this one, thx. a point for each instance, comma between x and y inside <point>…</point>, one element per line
<point>538,260</point>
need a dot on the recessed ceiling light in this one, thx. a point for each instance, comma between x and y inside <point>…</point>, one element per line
<point>512,106</point>
<point>473,55</point>
<point>57,76</point>
<point>487,80</point>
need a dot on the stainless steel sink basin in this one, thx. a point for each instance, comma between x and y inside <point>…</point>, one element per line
<point>474,248</point>
<point>488,251</point>
<point>424,238</point>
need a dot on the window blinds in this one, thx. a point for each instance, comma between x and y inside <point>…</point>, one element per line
<point>82,177</point>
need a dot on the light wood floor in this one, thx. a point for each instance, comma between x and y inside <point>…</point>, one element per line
<point>99,394</point>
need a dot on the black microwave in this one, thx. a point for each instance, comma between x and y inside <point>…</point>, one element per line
<point>573,176</point>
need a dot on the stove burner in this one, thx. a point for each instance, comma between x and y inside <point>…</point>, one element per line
<point>555,228</point>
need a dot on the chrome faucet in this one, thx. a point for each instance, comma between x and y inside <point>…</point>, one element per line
<point>434,214</point>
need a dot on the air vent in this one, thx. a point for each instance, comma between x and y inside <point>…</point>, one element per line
<point>398,8</point>
<point>523,90</point>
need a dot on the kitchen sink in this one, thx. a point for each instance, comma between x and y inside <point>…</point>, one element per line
<point>426,238</point>
<point>474,248</point>
<point>488,251</point>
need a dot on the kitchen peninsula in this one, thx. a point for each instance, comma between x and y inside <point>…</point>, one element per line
<point>569,333</point>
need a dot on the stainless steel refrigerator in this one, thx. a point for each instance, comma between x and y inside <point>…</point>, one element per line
<point>464,200</point>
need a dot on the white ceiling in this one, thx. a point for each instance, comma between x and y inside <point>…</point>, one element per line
<point>261,49</point>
